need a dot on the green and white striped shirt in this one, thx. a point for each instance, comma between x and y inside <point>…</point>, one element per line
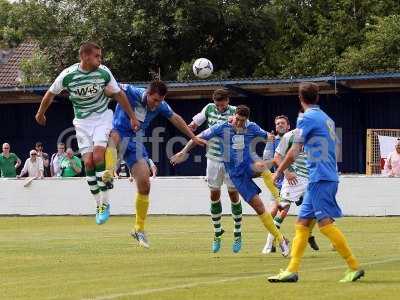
<point>213,116</point>
<point>86,89</point>
<point>300,164</point>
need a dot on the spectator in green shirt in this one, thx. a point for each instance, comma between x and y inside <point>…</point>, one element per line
<point>9,162</point>
<point>70,165</point>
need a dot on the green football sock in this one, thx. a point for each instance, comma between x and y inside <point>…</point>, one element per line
<point>216,212</point>
<point>237,218</point>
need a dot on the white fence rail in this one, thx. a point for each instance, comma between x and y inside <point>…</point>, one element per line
<point>358,196</point>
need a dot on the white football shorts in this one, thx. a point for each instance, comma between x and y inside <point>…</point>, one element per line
<point>93,130</point>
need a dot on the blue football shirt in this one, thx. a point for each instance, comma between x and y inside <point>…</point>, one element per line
<point>238,147</point>
<point>138,99</point>
<point>316,130</point>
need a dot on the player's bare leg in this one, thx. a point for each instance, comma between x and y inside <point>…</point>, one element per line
<point>236,208</point>
<point>268,223</point>
<point>141,173</point>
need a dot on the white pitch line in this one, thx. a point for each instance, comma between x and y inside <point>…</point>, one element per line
<point>196,284</point>
<point>171,288</point>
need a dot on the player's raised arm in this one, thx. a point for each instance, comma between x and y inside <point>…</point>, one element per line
<point>44,106</point>
<point>113,90</point>
<point>280,153</point>
<point>122,99</point>
<point>289,159</point>
<point>198,119</point>
<point>56,88</point>
<point>205,135</point>
<point>182,155</point>
<point>304,126</point>
<point>181,125</point>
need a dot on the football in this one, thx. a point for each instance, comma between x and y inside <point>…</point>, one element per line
<point>202,68</point>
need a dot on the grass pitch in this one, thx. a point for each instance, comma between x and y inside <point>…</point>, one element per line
<point>72,258</point>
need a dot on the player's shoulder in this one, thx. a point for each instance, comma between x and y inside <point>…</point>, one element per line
<point>165,106</point>
<point>210,107</point>
<point>69,70</point>
<point>317,116</point>
<point>305,118</point>
<point>105,71</point>
<point>133,90</point>
<point>314,113</point>
<point>252,125</point>
<point>289,134</point>
<point>222,125</point>
<point>216,129</point>
<point>232,109</point>
<point>127,86</point>
<point>105,68</point>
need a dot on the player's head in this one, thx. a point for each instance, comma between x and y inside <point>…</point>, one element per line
<point>156,93</point>
<point>90,54</point>
<point>308,94</point>
<point>282,124</point>
<point>397,146</point>
<point>221,99</point>
<point>242,114</point>
<point>61,148</point>
<point>6,148</point>
<point>69,153</point>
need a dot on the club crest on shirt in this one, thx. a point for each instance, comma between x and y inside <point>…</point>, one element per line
<point>238,141</point>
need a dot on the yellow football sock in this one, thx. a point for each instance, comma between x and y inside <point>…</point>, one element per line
<point>269,224</point>
<point>142,206</point>
<point>267,177</point>
<point>298,246</point>
<point>339,242</point>
<point>111,158</point>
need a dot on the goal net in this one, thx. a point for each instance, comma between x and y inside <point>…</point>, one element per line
<point>379,143</point>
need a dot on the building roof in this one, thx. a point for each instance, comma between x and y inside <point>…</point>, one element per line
<point>9,66</point>
<point>200,89</point>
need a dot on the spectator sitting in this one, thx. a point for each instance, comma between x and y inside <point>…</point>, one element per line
<point>71,165</point>
<point>392,165</point>
<point>56,158</point>
<point>9,162</point>
<point>45,157</point>
<point>33,166</point>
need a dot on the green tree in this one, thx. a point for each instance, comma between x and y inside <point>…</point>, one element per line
<point>313,35</point>
<point>140,37</point>
<point>243,38</point>
<point>9,36</point>
<point>36,70</point>
<point>379,52</point>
